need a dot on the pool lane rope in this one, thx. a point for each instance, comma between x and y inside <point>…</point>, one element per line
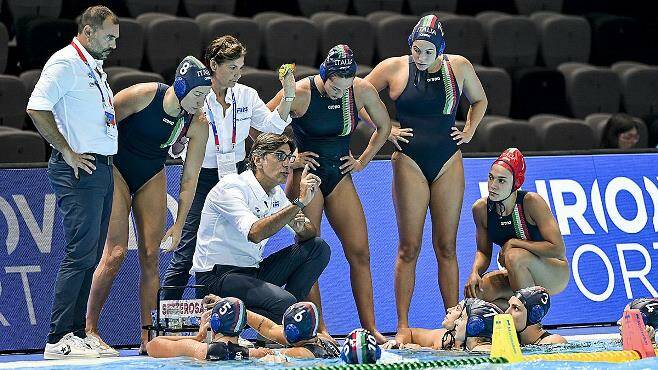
<point>467,361</point>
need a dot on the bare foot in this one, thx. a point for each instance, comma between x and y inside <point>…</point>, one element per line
<point>379,337</point>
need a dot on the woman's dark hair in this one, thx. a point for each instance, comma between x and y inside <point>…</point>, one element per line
<point>267,143</point>
<point>222,49</point>
<point>617,124</point>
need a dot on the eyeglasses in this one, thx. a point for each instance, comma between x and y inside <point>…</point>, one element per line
<point>630,137</point>
<point>282,156</point>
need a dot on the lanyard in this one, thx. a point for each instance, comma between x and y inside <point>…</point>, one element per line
<point>214,127</point>
<point>92,74</point>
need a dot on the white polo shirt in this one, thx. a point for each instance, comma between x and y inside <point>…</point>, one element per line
<point>231,208</point>
<point>250,110</point>
<point>67,89</point>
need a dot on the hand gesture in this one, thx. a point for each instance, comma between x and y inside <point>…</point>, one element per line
<point>175,234</point>
<point>298,222</point>
<point>287,78</point>
<point>306,158</point>
<point>350,164</point>
<point>210,301</point>
<point>473,285</point>
<point>79,161</point>
<point>400,134</point>
<point>308,186</point>
<point>462,137</point>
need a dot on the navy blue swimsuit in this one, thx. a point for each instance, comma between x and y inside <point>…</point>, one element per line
<point>503,228</point>
<point>142,135</point>
<point>325,129</point>
<point>428,106</point>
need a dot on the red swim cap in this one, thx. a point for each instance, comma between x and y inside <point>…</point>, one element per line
<point>512,159</point>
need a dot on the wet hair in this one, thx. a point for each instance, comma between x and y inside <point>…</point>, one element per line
<point>617,124</point>
<point>222,49</point>
<point>267,143</point>
<point>94,16</point>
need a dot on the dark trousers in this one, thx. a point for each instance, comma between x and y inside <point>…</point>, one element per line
<point>85,204</point>
<point>178,271</point>
<point>297,267</point>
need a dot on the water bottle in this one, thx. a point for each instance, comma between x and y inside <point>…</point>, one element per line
<point>175,321</point>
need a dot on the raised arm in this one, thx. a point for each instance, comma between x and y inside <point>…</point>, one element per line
<point>553,244</point>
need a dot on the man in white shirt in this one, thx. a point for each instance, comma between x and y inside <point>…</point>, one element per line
<point>72,107</point>
<point>232,109</point>
<point>240,214</point>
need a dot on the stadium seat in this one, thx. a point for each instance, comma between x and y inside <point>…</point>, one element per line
<point>562,38</point>
<point>8,129</point>
<point>146,18</point>
<point>540,119</point>
<point>464,36</point>
<point>138,7</point>
<point>639,84</point>
<point>204,18</point>
<point>363,70</point>
<point>265,82</point>
<point>20,9</point>
<point>501,134</point>
<point>473,7</point>
<point>304,71</point>
<point>168,41</point>
<point>391,35</point>
<point>497,85</point>
<point>591,89</point>
<point>361,137</point>
<point>566,135</point>
<point>29,80</point>
<point>320,18</point>
<point>4,47</point>
<point>115,70</point>
<point>130,45</point>
<point>365,7</point>
<point>42,37</point>
<point>527,7</point>
<point>122,80</point>
<point>291,39</point>
<point>475,145</point>
<point>537,90</point>
<point>13,101</point>
<point>310,7</point>
<point>420,7</point>
<point>598,121</point>
<point>511,41</point>
<point>353,31</point>
<point>21,147</point>
<point>264,18</point>
<point>624,33</point>
<point>244,29</point>
<point>195,7</point>
<point>375,17</point>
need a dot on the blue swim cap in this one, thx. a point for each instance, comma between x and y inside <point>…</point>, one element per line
<point>300,322</point>
<point>340,62</point>
<point>480,317</point>
<point>191,73</point>
<point>229,317</point>
<point>360,347</point>
<point>429,29</point>
<point>648,308</point>
<point>537,302</point>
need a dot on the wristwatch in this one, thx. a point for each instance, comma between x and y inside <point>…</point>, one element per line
<point>288,98</point>
<point>298,203</point>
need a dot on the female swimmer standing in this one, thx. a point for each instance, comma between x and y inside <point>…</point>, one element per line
<point>427,168</point>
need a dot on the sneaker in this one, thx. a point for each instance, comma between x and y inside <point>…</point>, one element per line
<point>69,346</point>
<point>245,343</point>
<point>103,349</point>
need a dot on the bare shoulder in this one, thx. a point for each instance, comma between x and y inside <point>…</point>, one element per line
<point>363,86</point>
<point>554,339</point>
<point>534,200</point>
<point>480,206</point>
<point>459,60</point>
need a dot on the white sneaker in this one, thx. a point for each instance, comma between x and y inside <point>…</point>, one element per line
<point>245,343</point>
<point>69,346</point>
<point>103,349</point>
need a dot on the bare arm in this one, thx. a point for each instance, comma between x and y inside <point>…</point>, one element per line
<point>429,338</point>
<point>270,225</point>
<point>379,115</point>
<point>553,244</point>
<point>297,352</point>
<point>484,245</point>
<point>266,327</point>
<point>133,99</point>
<point>171,346</point>
<point>474,92</point>
<point>44,121</point>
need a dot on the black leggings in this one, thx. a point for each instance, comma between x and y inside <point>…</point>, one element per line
<point>297,267</point>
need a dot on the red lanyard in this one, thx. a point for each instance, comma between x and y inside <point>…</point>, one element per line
<point>214,127</point>
<point>93,75</point>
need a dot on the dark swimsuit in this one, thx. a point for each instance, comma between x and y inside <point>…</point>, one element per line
<point>501,229</point>
<point>142,135</point>
<point>428,105</point>
<point>546,334</point>
<point>323,348</point>
<point>220,351</point>
<point>325,129</point>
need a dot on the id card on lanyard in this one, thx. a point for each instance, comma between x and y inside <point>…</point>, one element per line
<point>108,107</point>
<point>225,161</point>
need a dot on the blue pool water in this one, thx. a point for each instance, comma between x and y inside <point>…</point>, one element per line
<point>136,363</point>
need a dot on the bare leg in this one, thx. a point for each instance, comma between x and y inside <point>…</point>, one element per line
<point>345,214</point>
<point>525,269</point>
<point>447,193</point>
<point>149,208</point>
<point>114,253</point>
<point>411,197</point>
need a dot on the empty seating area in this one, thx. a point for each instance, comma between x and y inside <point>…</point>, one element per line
<point>553,70</point>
